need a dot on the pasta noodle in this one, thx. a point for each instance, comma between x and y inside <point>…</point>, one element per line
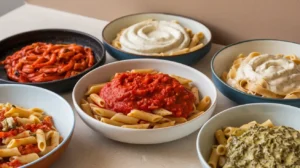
<point>26,135</point>
<point>239,147</point>
<point>266,82</point>
<point>195,41</point>
<point>42,62</point>
<point>106,111</point>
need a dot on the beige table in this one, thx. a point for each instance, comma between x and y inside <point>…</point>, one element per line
<point>88,148</point>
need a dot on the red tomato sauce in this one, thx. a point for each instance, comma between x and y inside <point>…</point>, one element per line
<point>12,164</point>
<point>30,148</point>
<point>147,92</point>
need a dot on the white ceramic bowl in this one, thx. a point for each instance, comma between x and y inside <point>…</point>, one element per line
<point>151,136</point>
<point>53,105</point>
<point>279,114</point>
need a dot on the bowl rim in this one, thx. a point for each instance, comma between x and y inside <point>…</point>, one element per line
<point>65,139</point>
<point>236,90</point>
<point>100,62</point>
<point>79,110</point>
<point>200,156</point>
<point>158,13</point>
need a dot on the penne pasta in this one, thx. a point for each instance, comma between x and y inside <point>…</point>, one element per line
<point>20,135</point>
<point>221,150</point>
<point>124,119</point>
<point>54,138</point>
<point>228,131</point>
<point>222,161</point>
<point>183,51</point>
<point>195,115</point>
<point>220,136</point>
<point>111,122</point>
<point>143,71</point>
<point>178,120</point>
<point>24,159</point>
<point>18,112</point>
<point>204,104</point>
<point>9,152</point>
<point>47,150</point>
<point>196,39</point>
<point>162,112</point>
<point>21,141</point>
<point>214,158</point>
<point>98,100</point>
<point>95,88</point>
<point>102,111</point>
<point>166,124</point>
<point>195,91</point>
<point>87,109</point>
<point>41,139</point>
<point>267,123</point>
<point>142,115</point>
<point>181,80</point>
<point>137,126</point>
<point>197,47</point>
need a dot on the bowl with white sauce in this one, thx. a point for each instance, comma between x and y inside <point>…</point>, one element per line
<point>259,70</point>
<point>268,136</point>
<point>157,35</point>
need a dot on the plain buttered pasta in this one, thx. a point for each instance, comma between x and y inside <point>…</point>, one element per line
<point>256,145</point>
<point>26,134</point>
<point>159,38</point>
<point>144,99</point>
<point>271,76</point>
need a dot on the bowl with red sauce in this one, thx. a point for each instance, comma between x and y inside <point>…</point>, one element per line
<point>137,101</point>
<point>54,59</point>
<point>29,98</point>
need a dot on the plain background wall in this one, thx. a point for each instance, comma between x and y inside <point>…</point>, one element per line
<point>229,20</point>
<point>8,5</point>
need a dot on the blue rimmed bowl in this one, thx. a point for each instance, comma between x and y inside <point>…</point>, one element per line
<point>223,59</point>
<point>111,30</point>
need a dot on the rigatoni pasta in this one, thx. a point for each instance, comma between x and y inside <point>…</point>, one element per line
<point>26,135</point>
<point>254,144</point>
<point>144,99</point>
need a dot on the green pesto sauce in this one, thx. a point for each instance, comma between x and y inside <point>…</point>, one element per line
<point>263,147</point>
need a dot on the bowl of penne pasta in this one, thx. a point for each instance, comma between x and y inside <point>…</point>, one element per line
<point>50,58</point>
<point>259,70</point>
<point>251,135</point>
<point>140,101</point>
<point>34,131</point>
<point>157,35</point>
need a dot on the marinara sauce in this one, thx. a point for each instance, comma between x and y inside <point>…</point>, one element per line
<point>147,92</point>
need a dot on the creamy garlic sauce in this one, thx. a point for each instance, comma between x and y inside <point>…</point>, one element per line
<point>281,74</point>
<point>151,36</point>
<point>276,147</point>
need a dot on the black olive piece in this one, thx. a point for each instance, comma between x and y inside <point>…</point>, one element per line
<point>17,73</point>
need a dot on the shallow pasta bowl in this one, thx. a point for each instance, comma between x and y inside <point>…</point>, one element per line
<point>111,30</point>
<point>280,115</point>
<point>223,59</point>
<point>16,42</point>
<point>63,116</point>
<point>145,136</point>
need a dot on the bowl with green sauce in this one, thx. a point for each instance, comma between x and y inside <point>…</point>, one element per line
<point>258,145</point>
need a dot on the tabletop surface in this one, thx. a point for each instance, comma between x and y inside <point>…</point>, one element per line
<point>89,148</point>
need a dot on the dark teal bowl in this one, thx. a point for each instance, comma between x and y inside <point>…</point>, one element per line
<point>114,27</point>
<point>223,59</point>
